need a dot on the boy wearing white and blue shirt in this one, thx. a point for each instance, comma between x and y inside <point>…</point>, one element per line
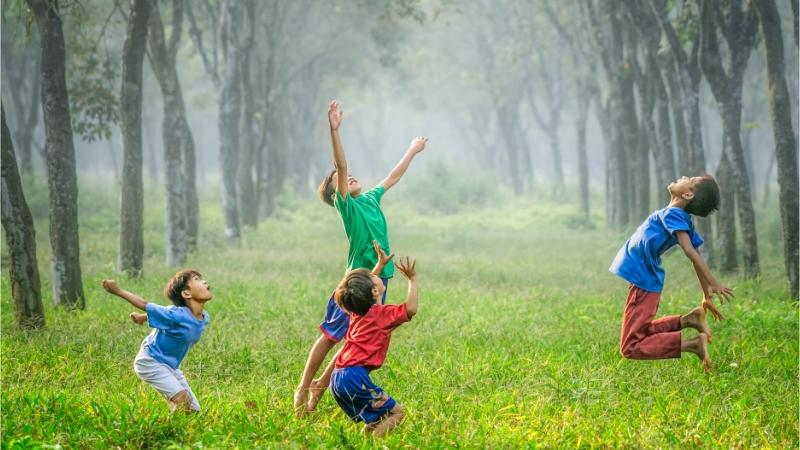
<point>639,263</point>
<point>175,329</point>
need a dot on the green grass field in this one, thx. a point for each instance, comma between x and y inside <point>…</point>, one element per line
<point>515,343</point>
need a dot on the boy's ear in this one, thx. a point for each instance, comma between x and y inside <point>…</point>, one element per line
<point>374,291</point>
<point>688,195</point>
<point>186,294</point>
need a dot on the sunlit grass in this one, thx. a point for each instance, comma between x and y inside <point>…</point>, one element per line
<point>515,344</point>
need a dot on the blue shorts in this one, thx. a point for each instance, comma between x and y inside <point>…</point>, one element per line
<point>359,397</point>
<point>336,321</point>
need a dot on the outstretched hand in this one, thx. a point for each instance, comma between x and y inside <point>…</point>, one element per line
<point>334,115</point>
<point>709,306</point>
<point>138,318</point>
<point>418,144</point>
<point>383,259</point>
<point>111,286</point>
<point>408,267</point>
<point>723,293</point>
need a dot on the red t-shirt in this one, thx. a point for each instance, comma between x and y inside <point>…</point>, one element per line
<point>368,336</point>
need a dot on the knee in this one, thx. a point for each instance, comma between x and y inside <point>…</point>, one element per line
<point>626,349</point>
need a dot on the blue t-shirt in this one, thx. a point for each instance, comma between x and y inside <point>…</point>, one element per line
<point>175,329</point>
<point>639,260</point>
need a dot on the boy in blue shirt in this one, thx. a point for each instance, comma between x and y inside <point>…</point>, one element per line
<point>365,227</point>
<point>639,262</point>
<point>175,329</point>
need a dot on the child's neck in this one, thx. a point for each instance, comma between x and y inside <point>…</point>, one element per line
<point>677,202</point>
<point>196,307</point>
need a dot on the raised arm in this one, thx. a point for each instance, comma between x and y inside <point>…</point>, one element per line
<point>408,267</point>
<point>339,161</point>
<point>417,145</point>
<point>708,283</point>
<point>112,287</point>
<point>382,259</point>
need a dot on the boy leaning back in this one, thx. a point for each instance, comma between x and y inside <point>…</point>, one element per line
<point>371,326</point>
<point>363,223</point>
<point>639,263</point>
<point>175,329</point>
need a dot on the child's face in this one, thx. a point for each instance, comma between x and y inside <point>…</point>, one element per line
<point>377,290</point>
<point>199,290</point>
<point>684,186</point>
<point>353,185</point>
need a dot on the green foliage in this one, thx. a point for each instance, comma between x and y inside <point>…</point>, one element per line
<point>515,344</point>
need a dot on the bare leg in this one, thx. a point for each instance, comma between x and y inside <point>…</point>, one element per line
<point>315,357</point>
<point>699,346</point>
<point>181,401</point>
<point>696,319</point>
<point>318,386</point>
<point>388,423</point>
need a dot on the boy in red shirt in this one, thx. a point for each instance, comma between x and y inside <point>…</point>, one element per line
<point>367,341</point>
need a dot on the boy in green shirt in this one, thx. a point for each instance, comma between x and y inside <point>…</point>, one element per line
<point>366,230</point>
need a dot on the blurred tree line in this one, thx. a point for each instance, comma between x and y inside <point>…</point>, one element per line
<point>528,89</point>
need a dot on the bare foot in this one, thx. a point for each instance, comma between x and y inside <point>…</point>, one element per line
<point>316,391</point>
<point>697,319</point>
<point>300,399</point>
<point>699,346</point>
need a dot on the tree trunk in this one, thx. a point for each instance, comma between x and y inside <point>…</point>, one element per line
<point>60,151</point>
<point>248,206</point>
<point>726,217</point>
<point>785,141</point>
<point>727,89</point>
<point>173,132</point>
<point>583,164</point>
<point>131,232</point>
<point>229,108</point>
<point>20,239</point>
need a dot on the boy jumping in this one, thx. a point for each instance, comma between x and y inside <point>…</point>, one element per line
<point>639,262</point>
<point>363,223</point>
<point>175,329</point>
<point>371,326</point>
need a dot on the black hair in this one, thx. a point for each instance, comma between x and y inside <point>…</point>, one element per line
<point>178,284</point>
<point>706,197</point>
<point>326,188</point>
<point>354,293</point>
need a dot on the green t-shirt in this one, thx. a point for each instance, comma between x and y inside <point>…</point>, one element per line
<point>364,222</point>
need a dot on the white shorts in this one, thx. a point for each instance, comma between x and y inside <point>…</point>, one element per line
<point>166,380</point>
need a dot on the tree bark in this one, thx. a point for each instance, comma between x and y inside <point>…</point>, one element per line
<point>20,238</point>
<point>248,206</point>
<point>131,232</point>
<point>726,217</point>
<point>229,108</point>
<point>583,163</point>
<point>60,152</point>
<point>176,135</point>
<point>727,89</point>
<point>785,140</point>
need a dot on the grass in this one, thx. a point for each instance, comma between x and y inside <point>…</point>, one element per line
<point>515,344</point>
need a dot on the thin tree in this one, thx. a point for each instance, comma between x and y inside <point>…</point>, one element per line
<point>20,238</point>
<point>785,140</point>
<point>60,154</point>
<point>131,205</point>
<point>180,189</point>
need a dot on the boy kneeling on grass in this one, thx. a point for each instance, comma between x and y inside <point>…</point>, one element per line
<point>175,329</point>
<point>639,262</point>
<point>367,342</point>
